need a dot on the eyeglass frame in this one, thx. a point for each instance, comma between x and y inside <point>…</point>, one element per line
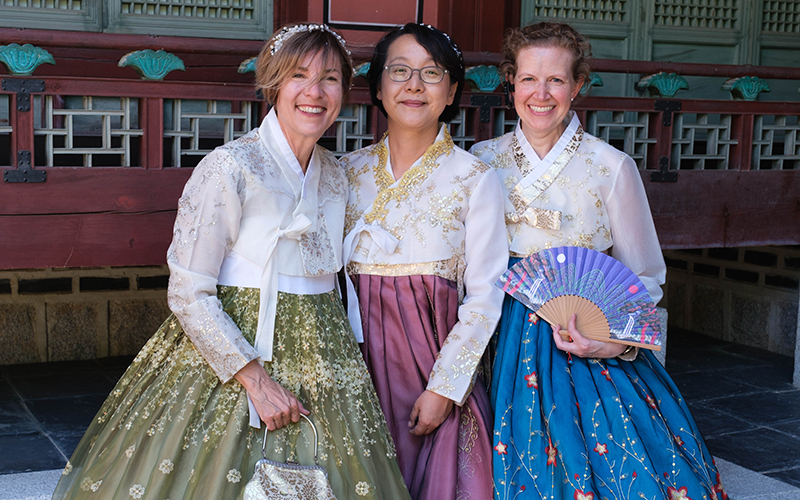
<point>411,74</point>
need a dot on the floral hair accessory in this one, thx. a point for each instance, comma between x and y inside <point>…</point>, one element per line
<point>450,41</point>
<point>289,31</point>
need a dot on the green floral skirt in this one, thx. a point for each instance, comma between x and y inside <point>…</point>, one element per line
<point>170,430</point>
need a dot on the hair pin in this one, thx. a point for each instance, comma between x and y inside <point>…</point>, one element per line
<point>289,31</point>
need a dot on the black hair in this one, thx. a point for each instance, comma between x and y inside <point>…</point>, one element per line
<point>442,50</point>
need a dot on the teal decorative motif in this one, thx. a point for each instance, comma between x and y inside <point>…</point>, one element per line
<point>594,81</point>
<point>361,70</point>
<point>745,88</point>
<point>663,84</point>
<point>23,60</point>
<point>248,65</point>
<point>483,78</point>
<point>152,65</point>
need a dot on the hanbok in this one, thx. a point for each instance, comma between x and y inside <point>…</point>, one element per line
<point>567,427</point>
<point>424,252</point>
<point>256,247</point>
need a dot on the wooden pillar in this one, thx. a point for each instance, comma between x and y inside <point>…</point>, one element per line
<point>151,121</point>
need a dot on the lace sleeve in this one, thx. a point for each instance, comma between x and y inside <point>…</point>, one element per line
<point>206,226</point>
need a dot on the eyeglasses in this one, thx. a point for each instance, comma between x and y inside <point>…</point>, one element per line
<point>403,73</point>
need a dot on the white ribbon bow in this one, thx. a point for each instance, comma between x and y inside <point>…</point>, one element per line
<point>386,242</point>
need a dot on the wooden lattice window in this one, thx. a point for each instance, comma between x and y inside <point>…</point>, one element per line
<point>81,15</point>
<point>720,14</point>
<point>5,129</point>
<point>223,9</point>
<point>627,131</point>
<point>583,10</point>
<point>248,19</point>
<point>781,16</point>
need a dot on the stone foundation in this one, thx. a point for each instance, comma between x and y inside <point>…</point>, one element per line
<point>73,314</point>
<point>743,295</point>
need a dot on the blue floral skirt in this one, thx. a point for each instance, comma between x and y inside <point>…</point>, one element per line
<point>585,429</point>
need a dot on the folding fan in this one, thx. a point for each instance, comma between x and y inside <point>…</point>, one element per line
<point>610,301</point>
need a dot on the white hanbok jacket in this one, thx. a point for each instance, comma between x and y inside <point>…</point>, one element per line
<point>250,217</point>
<point>583,193</point>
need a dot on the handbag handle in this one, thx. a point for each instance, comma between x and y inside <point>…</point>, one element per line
<point>313,428</point>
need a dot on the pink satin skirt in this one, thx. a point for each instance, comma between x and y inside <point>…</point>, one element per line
<point>406,320</point>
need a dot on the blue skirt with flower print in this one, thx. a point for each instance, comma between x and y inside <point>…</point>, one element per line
<point>585,429</point>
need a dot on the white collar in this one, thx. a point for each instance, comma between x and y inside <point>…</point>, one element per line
<point>272,126</point>
<point>538,167</point>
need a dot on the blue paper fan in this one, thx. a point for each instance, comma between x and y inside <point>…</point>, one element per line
<point>611,302</point>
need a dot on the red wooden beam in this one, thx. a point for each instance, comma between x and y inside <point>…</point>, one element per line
<point>85,240</point>
<point>72,190</point>
<point>726,208</point>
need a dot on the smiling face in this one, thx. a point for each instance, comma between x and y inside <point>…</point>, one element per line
<point>544,87</point>
<point>310,98</point>
<point>413,104</point>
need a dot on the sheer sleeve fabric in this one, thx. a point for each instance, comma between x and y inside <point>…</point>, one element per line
<point>206,226</point>
<point>486,257</point>
<point>635,242</point>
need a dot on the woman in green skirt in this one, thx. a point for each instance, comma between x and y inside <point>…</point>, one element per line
<point>258,332</point>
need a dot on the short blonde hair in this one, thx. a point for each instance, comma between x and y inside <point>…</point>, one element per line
<point>546,34</point>
<point>280,58</point>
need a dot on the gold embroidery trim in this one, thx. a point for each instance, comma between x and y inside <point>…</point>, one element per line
<point>410,180</point>
<point>521,197</point>
<point>447,269</point>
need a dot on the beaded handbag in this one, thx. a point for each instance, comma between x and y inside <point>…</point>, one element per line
<point>288,480</point>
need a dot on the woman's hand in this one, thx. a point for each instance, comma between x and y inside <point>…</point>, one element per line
<point>585,348</point>
<point>429,411</point>
<point>275,405</point>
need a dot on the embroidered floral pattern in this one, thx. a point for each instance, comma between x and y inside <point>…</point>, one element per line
<point>552,453</point>
<point>362,489</point>
<point>136,491</point>
<point>166,466</point>
<point>501,448</point>
<point>234,476</point>
<point>678,493</point>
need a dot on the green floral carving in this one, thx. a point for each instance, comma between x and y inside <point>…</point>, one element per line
<point>663,84</point>
<point>248,65</point>
<point>23,60</point>
<point>361,70</point>
<point>745,88</point>
<point>152,65</point>
<point>483,78</point>
<point>594,81</point>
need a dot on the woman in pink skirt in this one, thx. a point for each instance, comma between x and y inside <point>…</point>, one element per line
<point>425,244</point>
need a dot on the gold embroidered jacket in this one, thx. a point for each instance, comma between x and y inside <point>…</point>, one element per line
<point>443,217</point>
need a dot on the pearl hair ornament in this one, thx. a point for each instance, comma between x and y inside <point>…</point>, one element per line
<point>289,31</point>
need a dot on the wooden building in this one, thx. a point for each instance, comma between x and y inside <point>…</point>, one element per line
<point>703,94</point>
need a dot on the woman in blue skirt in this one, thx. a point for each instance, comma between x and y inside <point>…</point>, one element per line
<point>579,419</point>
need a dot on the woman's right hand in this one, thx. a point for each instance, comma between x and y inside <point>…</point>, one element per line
<point>275,405</point>
<point>581,346</point>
